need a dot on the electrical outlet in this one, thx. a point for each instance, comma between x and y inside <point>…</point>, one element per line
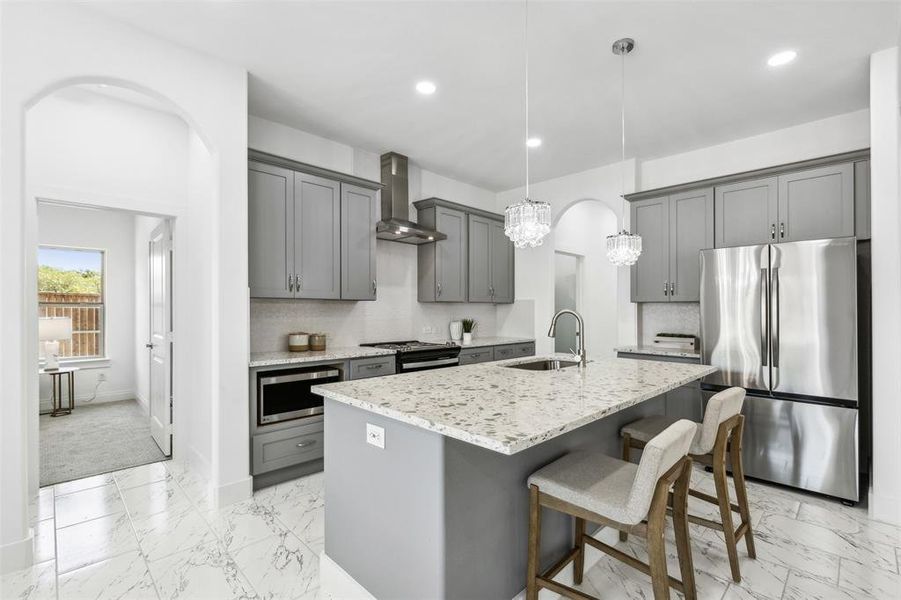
<point>427,329</point>
<point>101,377</point>
<point>375,435</point>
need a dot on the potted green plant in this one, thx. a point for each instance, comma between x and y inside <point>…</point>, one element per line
<point>469,326</point>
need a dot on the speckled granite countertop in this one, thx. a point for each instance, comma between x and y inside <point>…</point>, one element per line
<point>268,359</point>
<point>657,351</point>
<point>510,410</point>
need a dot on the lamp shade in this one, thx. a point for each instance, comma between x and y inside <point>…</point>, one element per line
<point>52,329</point>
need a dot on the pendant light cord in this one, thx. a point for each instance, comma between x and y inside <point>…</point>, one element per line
<point>622,122</point>
<point>526,142</point>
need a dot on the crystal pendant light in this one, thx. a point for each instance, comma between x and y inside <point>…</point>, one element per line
<point>527,223</point>
<point>623,248</point>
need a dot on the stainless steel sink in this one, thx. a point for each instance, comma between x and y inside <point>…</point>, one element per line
<point>544,365</point>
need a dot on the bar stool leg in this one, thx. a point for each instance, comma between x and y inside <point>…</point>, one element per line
<point>741,492</point>
<point>683,542</point>
<point>579,562</point>
<point>627,452</point>
<point>657,544</point>
<point>722,494</point>
<point>534,541</point>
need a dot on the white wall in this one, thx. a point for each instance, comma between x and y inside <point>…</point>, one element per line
<point>395,314</point>
<point>44,47</point>
<point>579,231</point>
<point>112,232</point>
<point>885,191</point>
<point>531,313</point>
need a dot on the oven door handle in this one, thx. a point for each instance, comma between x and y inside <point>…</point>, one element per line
<point>411,366</point>
<point>299,377</point>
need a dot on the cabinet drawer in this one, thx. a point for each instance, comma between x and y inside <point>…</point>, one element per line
<point>287,447</point>
<point>470,356</point>
<point>377,366</point>
<point>527,349</point>
<point>508,351</point>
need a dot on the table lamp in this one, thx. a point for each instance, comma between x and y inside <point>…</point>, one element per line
<point>50,331</point>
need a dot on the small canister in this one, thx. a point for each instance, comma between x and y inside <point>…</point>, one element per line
<point>299,341</point>
<point>317,341</point>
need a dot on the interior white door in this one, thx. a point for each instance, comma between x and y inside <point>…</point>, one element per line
<point>566,295</point>
<point>160,343</point>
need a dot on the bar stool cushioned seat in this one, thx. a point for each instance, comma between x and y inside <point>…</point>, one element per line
<point>619,490</point>
<point>720,408</point>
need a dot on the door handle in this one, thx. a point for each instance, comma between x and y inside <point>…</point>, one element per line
<point>438,291</point>
<point>290,283</point>
<point>149,346</point>
<point>774,308</point>
<point>781,230</point>
<point>764,316</point>
<point>665,288</point>
<point>773,231</point>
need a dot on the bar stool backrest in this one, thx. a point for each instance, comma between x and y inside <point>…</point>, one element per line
<point>659,455</point>
<point>721,406</point>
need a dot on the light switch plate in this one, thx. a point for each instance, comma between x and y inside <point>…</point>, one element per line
<point>375,435</point>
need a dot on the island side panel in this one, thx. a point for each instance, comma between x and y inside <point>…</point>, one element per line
<point>384,520</point>
<point>487,507</point>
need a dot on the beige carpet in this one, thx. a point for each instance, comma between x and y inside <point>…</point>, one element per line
<point>94,439</point>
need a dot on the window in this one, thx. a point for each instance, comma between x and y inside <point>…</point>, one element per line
<point>71,284</point>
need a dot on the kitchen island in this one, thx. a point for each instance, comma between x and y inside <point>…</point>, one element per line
<point>440,511</point>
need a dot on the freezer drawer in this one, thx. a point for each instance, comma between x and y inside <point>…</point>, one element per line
<point>808,446</point>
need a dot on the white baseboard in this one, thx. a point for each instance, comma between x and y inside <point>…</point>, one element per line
<point>231,493</point>
<point>17,555</point>
<point>885,508</point>
<point>85,399</point>
<point>142,401</point>
<point>336,584</point>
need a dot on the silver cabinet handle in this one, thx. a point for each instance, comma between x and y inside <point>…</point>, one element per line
<point>377,366</point>
<point>297,282</point>
<point>306,443</point>
<point>665,288</point>
<point>782,230</point>
<point>773,231</point>
<point>672,288</point>
<point>439,291</point>
<point>374,287</point>
<point>290,283</point>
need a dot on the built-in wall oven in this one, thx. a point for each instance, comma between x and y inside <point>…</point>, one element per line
<point>285,394</point>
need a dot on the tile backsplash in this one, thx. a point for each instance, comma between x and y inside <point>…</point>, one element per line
<point>668,317</point>
<point>396,315</point>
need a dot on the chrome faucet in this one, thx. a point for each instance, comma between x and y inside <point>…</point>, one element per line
<point>580,332</point>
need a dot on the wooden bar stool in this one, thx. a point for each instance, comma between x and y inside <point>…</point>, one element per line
<point>600,489</point>
<point>720,434</point>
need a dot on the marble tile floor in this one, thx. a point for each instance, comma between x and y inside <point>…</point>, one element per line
<point>147,532</point>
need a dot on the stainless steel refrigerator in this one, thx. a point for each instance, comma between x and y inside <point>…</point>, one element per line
<point>780,320</point>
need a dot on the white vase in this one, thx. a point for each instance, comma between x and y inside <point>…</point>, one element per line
<point>467,337</point>
<point>456,330</point>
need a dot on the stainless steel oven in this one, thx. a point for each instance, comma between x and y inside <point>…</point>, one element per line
<point>285,394</point>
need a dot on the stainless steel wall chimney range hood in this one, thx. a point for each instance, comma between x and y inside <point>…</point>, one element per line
<point>395,224</point>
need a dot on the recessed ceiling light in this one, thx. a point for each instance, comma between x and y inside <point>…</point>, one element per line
<point>782,58</point>
<point>533,142</point>
<point>426,88</point>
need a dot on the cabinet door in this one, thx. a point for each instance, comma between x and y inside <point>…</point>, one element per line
<point>502,269</point>
<point>745,213</point>
<point>479,259</point>
<point>862,199</point>
<point>690,231</point>
<point>817,204</point>
<point>650,275</point>
<point>317,233</point>
<point>270,192</point>
<point>450,256</point>
<point>358,219</point>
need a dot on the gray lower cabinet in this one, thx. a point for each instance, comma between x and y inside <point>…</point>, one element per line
<point>490,261</point>
<point>317,231</point>
<point>359,214</point>
<point>746,212</point>
<point>471,356</point>
<point>514,351</point>
<point>816,203</point>
<point>270,215</point>
<point>442,265</point>
<point>286,447</point>
<point>685,402</point>
<point>377,366</point>
<point>673,229</point>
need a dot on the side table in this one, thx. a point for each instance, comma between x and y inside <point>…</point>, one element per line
<point>56,378</point>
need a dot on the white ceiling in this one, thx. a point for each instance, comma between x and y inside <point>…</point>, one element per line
<point>698,76</point>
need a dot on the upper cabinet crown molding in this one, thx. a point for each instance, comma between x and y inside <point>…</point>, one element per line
<point>279,161</point>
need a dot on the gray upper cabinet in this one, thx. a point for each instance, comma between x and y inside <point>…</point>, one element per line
<point>690,231</point>
<point>746,213</point>
<point>480,233</point>
<point>502,265</point>
<point>817,203</point>
<point>270,216</point>
<point>650,275</point>
<point>317,243</point>
<point>359,214</point>
<point>443,264</point>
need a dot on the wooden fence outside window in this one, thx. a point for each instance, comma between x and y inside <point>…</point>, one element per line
<point>86,312</point>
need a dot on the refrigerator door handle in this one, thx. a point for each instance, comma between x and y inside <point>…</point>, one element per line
<point>764,316</point>
<point>774,311</point>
